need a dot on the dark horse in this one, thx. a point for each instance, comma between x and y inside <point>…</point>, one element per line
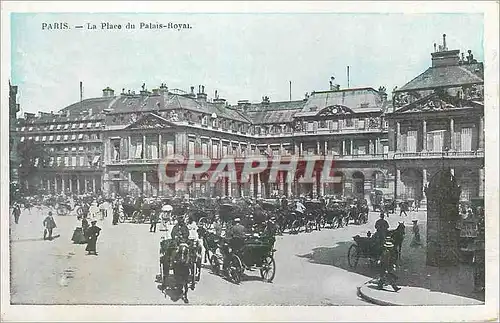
<point>182,270</point>
<point>397,235</point>
<point>210,243</point>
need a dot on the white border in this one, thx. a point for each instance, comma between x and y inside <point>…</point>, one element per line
<point>281,313</point>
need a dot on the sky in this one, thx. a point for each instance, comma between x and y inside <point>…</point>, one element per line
<point>242,56</point>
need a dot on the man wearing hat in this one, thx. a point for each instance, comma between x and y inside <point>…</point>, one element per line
<point>180,232</point>
<point>381,226</point>
<point>387,267</point>
<point>49,225</point>
<point>415,242</point>
<point>92,234</point>
<point>236,231</point>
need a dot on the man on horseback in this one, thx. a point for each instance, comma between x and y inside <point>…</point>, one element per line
<point>179,234</point>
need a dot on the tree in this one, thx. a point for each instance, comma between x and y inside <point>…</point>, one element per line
<point>33,158</point>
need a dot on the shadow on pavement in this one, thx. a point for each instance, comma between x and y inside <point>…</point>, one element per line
<point>411,271</point>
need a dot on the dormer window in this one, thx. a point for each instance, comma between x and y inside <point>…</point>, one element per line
<point>204,120</point>
<point>66,126</point>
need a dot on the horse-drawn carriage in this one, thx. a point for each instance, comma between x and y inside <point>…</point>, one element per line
<point>315,214</point>
<point>180,266</point>
<point>238,255</point>
<point>371,246</point>
<point>336,214</point>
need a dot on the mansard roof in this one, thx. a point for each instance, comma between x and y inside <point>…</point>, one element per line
<point>446,76</point>
<point>360,100</point>
<point>273,112</point>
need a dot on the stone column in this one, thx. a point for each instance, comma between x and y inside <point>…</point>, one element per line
<point>481,182</point>
<point>326,148</point>
<point>144,146</point>
<point>321,184</point>
<point>343,147</point>
<point>48,185</point>
<point>318,151</point>
<point>282,183</point>
<point>130,148</point>
<point>398,136</point>
<point>78,184</point>
<point>452,171</point>
<point>160,152</point>
<point>481,134</point>
<point>259,186</point>
<point>424,135</point>
<point>144,182</point>
<point>370,147</point>
<point>351,148</point>
<point>130,182</point>
<point>289,184</point>
<point>63,183</point>
<point>301,152</point>
<point>377,146</point>
<point>397,183</point>
<point>229,188</point>
<point>70,184</point>
<point>93,184</point>
<point>452,134</point>
<point>252,190</point>
<point>55,184</point>
<point>423,203</point>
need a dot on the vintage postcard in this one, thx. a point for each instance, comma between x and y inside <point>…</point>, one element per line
<point>330,161</point>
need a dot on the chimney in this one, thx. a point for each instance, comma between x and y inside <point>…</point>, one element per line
<point>243,105</point>
<point>163,88</point>
<point>90,112</point>
<point>265,100</point>
<point>108,92</point>
<point>445,57</point>
<point>67,113</point>
<point>201,96</point>
<point>383,94</point>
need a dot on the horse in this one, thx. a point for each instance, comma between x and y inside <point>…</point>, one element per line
<point>196,257</point>
<point>182,270</point>
<point>397,235</point>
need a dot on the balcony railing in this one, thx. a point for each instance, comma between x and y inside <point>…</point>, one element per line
<point>437,154</point>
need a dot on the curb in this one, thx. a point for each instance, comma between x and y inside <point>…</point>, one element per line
<point>374,300</point>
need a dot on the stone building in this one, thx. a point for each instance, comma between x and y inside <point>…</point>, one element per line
<point>437,122</point>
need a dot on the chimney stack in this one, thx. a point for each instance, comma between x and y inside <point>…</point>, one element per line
<point>201,96</point>
<point>444,42</point>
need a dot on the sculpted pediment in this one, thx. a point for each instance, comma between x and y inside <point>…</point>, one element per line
<point>435,102</point>
<point>149,121</point>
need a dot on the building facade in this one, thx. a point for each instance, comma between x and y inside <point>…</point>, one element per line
<point>437,122</point>
<point>114,143</point>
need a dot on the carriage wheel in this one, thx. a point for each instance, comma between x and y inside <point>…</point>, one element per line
<point>61,211</point>
<point>353,256</point>
<point>235,269</point>
<point>122,218</point>
<point>268,269</point>
<point>135,216</point>
<point>79,211</point>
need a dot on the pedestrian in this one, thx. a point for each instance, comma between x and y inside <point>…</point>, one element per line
<point>153,218</point>
<point>92,234</point>
<point>403,206</point>
<point>16,211</point>
<point>49,225</point>
<point>116,211</point>
<point>415,242</point>
<point>93,210</point>
<point>387,267</point>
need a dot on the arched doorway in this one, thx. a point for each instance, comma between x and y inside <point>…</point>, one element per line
<point>378,180</point>
<point>468,180</point>
<point>358,184</point>
<point>412,184</point>
<point>338,185</point>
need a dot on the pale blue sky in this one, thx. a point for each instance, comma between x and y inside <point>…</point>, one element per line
<point>243,56</point>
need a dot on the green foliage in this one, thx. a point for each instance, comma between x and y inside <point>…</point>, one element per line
<point>33,158</point>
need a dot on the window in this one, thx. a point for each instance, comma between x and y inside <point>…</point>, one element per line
<point>73,148</point>
<point>322,123</point>
<point>97,124</point>
<point>51,161</point>
<point>349,123</point>
<point>73,161</point>
<point>80,148</point>
<point>22,139</point>
<point>22,128</point>
<point>66,161</point>
<point>44,138</point>
<point>59,161</point>
<point>66,148</point>
<point>80,136</point>
<point>30,138</point>
<point>82,160</point>
<point>37,138</point>
<point>58,137</point>
<point>30,129</point>
<point>215,151</point>
<point>466,139</point>
<point>51,138</point>
<point>411,141</point>
<point>89,125</point>
<point>51,127</point>
<point>73,126</point>
<point>66,126</point>
<point>66,137</point>
<point>361,124</point>
<point>310,126</point>
<point>59,127</point>
<point>204,120</point>
<point>81,125</point>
